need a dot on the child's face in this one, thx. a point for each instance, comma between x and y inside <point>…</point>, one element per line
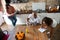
<point>44,25</point>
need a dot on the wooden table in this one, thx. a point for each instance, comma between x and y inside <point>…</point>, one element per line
<point>33,34</point>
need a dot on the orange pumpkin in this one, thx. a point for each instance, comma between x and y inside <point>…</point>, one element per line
<point>20,36</point>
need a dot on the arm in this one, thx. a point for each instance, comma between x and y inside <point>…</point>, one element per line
<point>28,19</point>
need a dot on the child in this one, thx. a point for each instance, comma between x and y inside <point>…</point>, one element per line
<point>49,24</point>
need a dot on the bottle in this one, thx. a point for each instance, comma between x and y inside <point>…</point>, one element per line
<point>26,30</point>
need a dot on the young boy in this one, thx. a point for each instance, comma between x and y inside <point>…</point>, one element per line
<point>49,24</point>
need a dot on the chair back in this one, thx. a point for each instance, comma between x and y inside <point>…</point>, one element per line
<point>6,35</point>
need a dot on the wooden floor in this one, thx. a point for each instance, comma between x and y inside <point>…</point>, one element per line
<point>33,33</point>
<point>4,26</point>
<point>10,28</point>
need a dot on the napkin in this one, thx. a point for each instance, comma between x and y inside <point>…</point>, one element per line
<point>42,30</point>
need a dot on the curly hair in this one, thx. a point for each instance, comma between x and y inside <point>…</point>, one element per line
<point>48,21</point>
<point>10,9</point>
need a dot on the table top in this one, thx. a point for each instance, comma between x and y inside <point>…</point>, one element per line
<point>33,33</point>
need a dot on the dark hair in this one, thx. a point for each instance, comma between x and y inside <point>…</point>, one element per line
<point>10,9</point>
<point>7,6</point>
<point>7,1</point>
<point>48,21</point>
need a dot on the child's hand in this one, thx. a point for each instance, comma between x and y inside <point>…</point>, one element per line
<point>44,26</point>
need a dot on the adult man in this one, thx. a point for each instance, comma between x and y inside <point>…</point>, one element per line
<point>33,19</point>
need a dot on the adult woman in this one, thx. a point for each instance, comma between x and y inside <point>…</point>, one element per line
<point>11,14</point>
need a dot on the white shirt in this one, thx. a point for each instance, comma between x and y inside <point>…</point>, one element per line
<point>54,23</point>
<point>32,19</point>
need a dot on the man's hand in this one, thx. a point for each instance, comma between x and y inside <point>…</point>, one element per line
<point>27,19</point>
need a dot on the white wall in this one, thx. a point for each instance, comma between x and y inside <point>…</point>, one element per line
<point>39,5</point>
<point>56,16</point>
<point>1,18</point>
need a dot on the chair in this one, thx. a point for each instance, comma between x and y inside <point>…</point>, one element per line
<point>5,37</point>
<point>3,34</point>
